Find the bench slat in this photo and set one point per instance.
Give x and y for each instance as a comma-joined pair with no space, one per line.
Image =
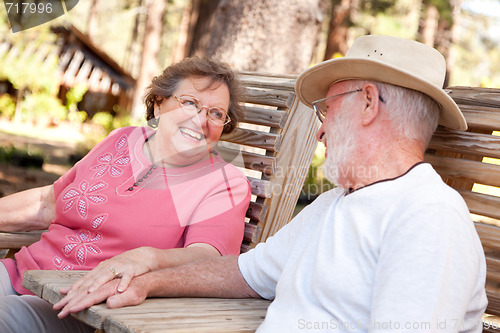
466,142
489,234
493,270
247,137
266,117
481,117
475,96
277,98
493,302
473,171
252,232
260,188
257,211
268,81
16,240
265,164
482,204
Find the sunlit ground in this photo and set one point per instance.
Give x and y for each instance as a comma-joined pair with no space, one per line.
57,133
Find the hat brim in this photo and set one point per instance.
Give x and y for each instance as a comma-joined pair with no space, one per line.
314,83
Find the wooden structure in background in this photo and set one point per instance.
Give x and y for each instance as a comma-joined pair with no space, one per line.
80,61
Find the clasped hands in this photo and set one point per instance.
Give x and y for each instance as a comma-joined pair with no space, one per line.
109,280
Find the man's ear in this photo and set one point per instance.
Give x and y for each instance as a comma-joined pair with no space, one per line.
371,108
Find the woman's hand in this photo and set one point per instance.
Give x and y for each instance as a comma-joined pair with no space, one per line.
134,295
126,266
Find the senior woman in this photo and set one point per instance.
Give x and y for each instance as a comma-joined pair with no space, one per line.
141,200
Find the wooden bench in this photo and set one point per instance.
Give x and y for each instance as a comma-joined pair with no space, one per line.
274,145
466,161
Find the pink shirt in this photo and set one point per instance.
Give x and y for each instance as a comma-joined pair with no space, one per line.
98,217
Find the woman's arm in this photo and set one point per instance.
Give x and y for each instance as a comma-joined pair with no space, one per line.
32,209
133,263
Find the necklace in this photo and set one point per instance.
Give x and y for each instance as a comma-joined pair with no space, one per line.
140,180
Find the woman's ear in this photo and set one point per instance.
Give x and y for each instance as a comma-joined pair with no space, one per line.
157,107
371,108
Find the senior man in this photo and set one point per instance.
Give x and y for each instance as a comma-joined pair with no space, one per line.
391,248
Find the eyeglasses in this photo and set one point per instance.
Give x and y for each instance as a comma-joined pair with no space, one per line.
192,105
320,107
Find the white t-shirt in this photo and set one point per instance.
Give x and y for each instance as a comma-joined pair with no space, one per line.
397,255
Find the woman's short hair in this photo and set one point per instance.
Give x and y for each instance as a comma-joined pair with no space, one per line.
164,85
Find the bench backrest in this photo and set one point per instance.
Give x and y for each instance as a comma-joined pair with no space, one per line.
277,138
273,145
467,161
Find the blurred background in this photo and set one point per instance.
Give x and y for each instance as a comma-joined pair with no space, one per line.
65,84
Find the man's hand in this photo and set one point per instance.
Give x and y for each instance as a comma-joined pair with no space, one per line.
135,294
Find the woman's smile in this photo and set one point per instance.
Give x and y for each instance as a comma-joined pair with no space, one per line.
191,134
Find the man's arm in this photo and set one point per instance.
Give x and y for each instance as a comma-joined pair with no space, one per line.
217,277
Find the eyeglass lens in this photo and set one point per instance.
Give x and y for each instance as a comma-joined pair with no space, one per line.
192,105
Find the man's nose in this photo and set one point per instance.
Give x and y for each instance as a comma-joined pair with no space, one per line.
320,134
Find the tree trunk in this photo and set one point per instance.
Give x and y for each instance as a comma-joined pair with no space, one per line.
149,59
429,25
338,28
201,23
179,52
19,101
450,53
131,58
277,36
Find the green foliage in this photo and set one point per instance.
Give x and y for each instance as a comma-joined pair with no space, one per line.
77,117
104,119
315,183
43,105
109,123
7,106
75,96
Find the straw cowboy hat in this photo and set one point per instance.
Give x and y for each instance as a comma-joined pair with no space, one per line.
398,61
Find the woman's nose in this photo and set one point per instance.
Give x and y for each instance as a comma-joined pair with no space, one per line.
202,117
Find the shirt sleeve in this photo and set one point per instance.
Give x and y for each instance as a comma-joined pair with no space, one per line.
263,266
223,231
426,258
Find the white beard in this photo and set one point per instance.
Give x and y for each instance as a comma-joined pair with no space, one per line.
341,142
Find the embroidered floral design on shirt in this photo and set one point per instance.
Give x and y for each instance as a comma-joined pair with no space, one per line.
110,164
60,264
98,221
82,197
82,244
121,143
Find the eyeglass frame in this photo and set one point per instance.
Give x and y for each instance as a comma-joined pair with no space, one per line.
321,114
198,108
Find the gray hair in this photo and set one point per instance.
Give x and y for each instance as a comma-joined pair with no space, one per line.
412,113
